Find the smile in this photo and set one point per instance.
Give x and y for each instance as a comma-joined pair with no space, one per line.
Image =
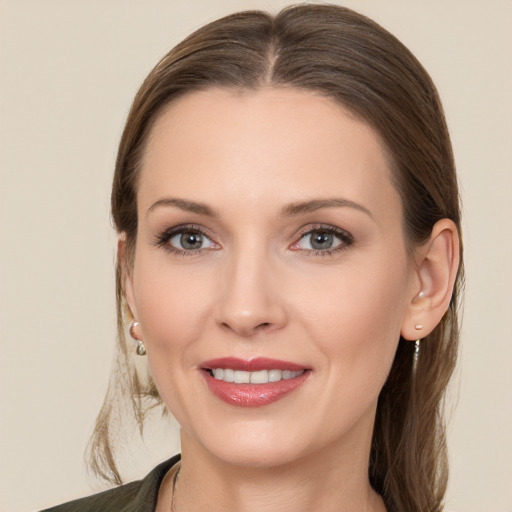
261,377
252,383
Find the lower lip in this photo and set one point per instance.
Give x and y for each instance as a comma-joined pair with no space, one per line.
253,395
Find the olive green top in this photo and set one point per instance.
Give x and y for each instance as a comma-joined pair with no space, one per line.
139,496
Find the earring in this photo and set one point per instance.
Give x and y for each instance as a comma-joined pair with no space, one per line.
416,354
141,347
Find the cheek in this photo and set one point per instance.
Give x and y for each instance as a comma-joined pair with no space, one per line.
171,304
174,306
355,328
355,317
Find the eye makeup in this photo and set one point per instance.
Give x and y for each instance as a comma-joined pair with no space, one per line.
312,240
323,239
187,235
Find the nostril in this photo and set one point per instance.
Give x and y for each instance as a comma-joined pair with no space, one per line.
264,326
247,330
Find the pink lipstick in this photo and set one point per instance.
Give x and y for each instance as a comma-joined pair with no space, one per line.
252,383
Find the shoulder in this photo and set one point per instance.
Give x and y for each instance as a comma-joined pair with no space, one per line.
113,499
139,496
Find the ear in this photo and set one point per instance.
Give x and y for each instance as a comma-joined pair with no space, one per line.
126,265
437,263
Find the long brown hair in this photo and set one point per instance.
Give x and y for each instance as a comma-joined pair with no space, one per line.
347,57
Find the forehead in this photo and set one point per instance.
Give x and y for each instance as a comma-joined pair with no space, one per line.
265,143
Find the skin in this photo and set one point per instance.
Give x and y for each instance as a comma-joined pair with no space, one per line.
257,289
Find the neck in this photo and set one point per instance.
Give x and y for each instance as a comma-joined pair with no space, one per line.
332,480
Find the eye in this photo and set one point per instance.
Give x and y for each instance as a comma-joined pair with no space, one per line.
319,241
185,240
189,241
323,240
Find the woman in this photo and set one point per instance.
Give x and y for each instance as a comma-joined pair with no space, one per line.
288,219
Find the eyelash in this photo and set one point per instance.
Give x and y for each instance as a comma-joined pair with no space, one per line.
346,239
166,235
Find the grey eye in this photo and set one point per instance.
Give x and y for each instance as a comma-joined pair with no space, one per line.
319,240
190,241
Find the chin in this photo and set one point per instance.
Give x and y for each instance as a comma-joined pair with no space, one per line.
249,444
259,455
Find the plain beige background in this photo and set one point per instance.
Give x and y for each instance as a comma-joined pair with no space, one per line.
68,72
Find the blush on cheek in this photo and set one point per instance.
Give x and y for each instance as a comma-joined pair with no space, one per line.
358,326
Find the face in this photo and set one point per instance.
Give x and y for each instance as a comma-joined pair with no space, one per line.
270,251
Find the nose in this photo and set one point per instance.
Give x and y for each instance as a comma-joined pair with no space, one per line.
250,300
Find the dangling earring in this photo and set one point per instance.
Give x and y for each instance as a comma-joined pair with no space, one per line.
416,354
417,343
141,348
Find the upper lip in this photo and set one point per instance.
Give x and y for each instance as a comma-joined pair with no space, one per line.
251,365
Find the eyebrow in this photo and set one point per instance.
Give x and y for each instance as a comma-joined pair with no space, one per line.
302,207
290,210
183,204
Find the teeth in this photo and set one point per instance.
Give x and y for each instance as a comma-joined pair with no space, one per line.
242,377
261,377
274,375
229,375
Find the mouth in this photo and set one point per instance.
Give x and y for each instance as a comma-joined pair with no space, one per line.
252,383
